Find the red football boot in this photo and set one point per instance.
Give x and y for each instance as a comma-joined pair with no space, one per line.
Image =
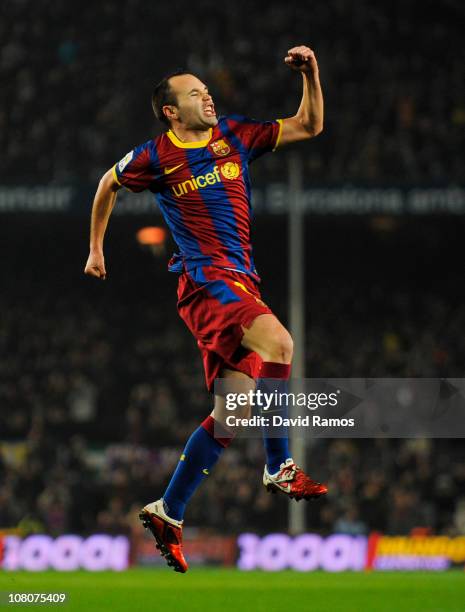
167,533
293,481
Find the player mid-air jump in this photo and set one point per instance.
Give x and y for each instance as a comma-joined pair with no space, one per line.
198,171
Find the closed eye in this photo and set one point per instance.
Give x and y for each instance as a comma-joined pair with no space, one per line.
195,92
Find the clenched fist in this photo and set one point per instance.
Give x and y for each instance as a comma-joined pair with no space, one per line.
301,59
95,265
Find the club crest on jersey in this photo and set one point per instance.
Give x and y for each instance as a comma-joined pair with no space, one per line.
220,147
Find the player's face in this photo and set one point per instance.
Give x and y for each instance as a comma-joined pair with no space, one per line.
196,110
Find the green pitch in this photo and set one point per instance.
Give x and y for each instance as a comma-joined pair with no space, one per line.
225,590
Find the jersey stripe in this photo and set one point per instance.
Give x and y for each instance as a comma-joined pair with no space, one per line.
221,211
173,214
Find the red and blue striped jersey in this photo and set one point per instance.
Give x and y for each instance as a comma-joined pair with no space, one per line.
203,189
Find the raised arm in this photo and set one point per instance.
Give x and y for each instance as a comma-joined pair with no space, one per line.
104,202
308,121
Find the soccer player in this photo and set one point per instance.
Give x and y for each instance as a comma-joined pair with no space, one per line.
198,171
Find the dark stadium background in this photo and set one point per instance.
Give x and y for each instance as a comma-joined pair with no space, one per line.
93,366
100,383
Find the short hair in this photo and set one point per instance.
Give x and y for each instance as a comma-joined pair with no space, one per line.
163,95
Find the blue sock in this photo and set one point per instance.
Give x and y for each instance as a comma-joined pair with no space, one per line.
274,376
199,456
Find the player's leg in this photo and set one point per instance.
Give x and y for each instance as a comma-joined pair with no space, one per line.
239,382
202,451
207,303
270,339
164,517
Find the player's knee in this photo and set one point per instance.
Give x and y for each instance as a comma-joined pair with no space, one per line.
281,347
287,347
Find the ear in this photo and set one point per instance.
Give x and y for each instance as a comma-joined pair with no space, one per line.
170,112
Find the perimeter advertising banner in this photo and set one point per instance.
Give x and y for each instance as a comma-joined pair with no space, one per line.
201,548
338,552
37,553
274,552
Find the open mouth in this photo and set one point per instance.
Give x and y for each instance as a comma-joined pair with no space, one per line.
209,110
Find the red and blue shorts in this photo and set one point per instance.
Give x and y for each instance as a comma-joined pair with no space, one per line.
216,304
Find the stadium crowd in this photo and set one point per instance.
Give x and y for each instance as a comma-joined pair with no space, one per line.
98,398
77,82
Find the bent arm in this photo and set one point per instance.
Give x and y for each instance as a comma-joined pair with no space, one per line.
308,121
102,207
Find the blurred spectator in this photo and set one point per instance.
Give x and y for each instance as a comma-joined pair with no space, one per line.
393,82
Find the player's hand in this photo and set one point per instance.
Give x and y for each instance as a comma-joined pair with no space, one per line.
301,59
95,265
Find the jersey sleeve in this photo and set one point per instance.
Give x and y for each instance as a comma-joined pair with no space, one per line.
137,171
256,137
